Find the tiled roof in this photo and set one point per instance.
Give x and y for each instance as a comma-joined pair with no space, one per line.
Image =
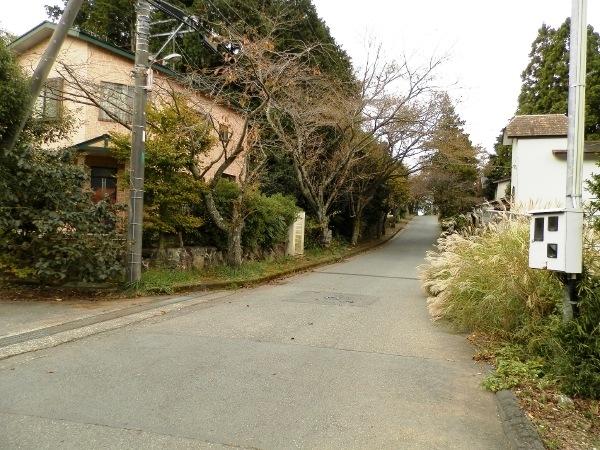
538,125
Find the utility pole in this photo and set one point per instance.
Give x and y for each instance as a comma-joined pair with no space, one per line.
40,75
138,138
141,69
575,145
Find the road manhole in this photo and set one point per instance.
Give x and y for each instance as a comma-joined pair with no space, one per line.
332,298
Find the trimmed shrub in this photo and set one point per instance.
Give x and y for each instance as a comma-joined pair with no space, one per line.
268,222
50,231
267,219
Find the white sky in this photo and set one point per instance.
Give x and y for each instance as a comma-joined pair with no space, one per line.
487,43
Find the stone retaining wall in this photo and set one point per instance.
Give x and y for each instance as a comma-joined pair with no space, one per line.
185,258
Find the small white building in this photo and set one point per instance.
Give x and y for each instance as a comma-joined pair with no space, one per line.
502,190
539,160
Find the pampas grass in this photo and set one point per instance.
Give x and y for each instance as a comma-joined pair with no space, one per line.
480,280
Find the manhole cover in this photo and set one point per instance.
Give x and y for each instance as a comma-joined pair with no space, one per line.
332,298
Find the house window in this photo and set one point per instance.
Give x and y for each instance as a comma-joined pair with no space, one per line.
538,229
104,183
48,105
116,103
553,223
228,177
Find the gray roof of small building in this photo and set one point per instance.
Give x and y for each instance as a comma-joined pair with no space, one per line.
589,147
537,126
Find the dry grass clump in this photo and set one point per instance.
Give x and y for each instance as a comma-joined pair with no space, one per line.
480,280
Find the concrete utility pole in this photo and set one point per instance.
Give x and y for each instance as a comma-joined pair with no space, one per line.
40,75
577,78
575,146
138,138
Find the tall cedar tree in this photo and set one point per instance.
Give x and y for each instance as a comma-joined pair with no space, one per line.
545,88
114,21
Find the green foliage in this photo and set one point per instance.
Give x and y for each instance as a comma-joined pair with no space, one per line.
109,20
50,231
269,220
578,364
291,24
177,135
114,21
497,167
267,217
14,94
546,79
593,185
511,372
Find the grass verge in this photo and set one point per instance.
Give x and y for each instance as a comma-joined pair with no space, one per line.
167,281
164,281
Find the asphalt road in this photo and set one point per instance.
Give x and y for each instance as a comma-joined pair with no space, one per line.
345,357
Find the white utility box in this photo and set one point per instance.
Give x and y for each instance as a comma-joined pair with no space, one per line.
555,240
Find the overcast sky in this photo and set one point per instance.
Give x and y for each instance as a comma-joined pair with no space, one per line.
487,43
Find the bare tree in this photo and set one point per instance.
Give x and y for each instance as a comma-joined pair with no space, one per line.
329,128
245,84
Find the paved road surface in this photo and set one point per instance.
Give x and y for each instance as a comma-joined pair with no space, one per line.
345,357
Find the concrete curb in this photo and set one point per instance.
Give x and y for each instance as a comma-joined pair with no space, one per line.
77,329
211,286
519,431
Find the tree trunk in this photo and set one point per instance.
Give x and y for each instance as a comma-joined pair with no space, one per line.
381,225
325,232
234,245
234,237
356,225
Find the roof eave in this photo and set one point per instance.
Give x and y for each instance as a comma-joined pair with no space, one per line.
45,29
534,136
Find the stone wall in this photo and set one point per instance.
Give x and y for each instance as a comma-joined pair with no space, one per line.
185,258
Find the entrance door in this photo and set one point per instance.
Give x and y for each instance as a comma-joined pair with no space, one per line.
104,183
